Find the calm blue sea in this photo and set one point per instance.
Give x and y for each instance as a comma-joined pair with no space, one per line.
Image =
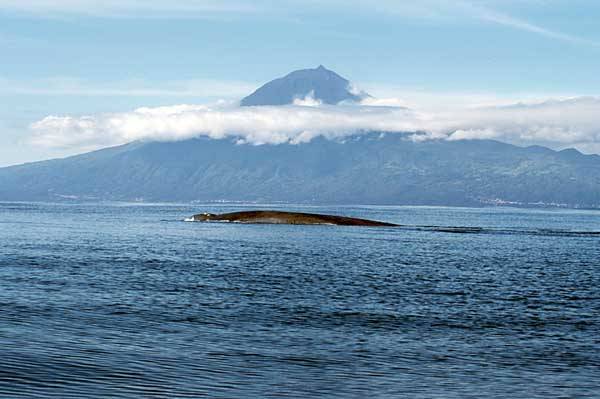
129,301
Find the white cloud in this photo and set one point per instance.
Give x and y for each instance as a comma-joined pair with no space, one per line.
438,10
122,8
459,10
257,125
308,101
516,23
423,98
383,102
557,124
70,86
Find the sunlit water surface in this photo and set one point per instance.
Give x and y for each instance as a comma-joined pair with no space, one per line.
129,301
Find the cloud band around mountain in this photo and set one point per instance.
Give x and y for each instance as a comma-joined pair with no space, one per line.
558,124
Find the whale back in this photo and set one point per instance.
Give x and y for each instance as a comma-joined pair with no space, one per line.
279,217
205,217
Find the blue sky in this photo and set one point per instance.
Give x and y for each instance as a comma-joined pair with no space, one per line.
74,58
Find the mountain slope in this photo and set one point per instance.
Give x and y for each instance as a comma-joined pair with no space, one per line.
320,83
365,169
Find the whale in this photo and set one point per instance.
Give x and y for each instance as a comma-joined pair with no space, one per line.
281,217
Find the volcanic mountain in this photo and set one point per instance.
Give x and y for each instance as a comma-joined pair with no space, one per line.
320,84
367,168
363,169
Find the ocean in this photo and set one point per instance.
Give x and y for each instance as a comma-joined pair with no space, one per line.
129,301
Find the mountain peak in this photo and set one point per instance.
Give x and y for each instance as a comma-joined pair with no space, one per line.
320,83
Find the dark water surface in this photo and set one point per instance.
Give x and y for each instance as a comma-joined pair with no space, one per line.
129,301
